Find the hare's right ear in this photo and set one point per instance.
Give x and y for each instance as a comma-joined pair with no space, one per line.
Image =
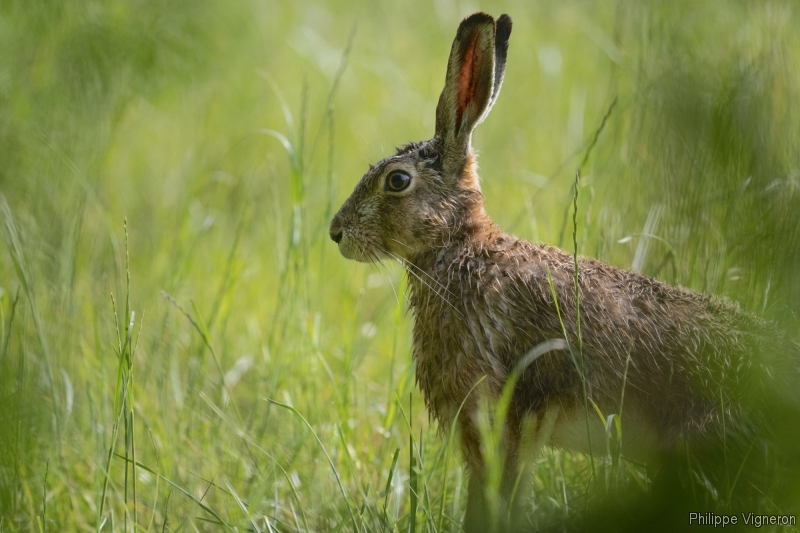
474,75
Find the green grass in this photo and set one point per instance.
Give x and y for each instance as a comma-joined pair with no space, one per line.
213,362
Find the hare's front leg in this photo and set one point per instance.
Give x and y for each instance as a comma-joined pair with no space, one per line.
523,438
477,518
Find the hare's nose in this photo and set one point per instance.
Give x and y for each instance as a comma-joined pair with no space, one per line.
335,229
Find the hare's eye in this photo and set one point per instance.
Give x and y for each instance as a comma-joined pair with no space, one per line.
397,181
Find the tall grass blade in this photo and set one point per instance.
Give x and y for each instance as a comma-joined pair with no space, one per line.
23,275
195,500
243,507
345,495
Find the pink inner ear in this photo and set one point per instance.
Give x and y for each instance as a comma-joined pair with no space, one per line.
466,80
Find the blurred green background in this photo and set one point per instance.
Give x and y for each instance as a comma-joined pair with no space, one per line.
227,134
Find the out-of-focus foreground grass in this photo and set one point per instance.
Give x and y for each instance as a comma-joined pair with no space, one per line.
227,134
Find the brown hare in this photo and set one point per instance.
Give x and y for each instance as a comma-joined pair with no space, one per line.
483,304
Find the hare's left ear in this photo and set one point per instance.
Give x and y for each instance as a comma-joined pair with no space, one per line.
474,75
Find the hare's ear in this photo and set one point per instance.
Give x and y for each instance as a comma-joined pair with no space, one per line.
474,75
502,33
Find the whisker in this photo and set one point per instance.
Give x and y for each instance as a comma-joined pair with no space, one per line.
400,243
406,262
386,273
409,264
373,257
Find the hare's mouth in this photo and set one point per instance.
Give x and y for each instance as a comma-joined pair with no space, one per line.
361,252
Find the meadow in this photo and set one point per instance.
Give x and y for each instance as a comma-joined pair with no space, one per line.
182,348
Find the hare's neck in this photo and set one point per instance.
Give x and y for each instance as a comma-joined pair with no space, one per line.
441,281
472,243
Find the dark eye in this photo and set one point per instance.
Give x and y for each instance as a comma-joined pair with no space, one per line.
397,181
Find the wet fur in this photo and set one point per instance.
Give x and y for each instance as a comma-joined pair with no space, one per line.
482,299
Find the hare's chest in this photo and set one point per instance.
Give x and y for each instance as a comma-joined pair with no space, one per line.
453,351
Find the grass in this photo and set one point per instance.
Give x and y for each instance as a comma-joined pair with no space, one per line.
199,151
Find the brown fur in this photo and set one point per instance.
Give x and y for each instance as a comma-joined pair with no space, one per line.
482,300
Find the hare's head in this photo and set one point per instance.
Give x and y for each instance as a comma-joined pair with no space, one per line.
427,195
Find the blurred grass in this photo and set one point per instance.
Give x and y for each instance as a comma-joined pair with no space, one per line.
156,113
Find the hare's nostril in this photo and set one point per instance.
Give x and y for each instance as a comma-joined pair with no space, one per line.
337,237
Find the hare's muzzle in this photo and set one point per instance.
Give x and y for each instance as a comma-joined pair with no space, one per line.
348,247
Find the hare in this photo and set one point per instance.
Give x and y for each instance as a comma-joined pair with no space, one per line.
487,304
